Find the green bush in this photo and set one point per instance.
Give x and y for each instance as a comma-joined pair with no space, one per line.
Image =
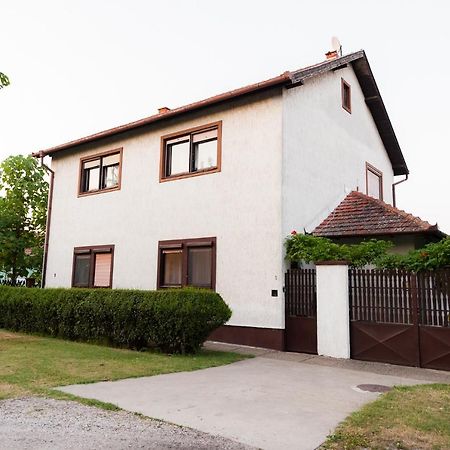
308,248
175,320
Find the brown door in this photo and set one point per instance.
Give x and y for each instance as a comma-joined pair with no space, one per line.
300,311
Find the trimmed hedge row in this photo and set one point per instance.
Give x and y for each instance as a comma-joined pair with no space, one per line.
176,320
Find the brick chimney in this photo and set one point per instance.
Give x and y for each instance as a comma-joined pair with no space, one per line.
332,54
163,110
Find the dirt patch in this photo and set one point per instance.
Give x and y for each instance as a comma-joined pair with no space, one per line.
409,438
6,335
8,390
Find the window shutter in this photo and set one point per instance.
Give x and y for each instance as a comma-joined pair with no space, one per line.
102,274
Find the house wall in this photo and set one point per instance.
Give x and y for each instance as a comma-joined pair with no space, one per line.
241,206
288,159
325,149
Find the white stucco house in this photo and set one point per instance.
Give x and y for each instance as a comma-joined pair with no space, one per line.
205,194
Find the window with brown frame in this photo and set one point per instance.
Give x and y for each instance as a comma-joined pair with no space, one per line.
101,172
192,152
374,182
187,262
346,96
93,266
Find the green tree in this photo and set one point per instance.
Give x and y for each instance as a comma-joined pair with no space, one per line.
23,209
4,80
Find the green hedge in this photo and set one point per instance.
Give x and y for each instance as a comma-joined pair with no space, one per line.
176,320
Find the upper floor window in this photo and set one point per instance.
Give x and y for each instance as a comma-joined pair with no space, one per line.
187,262
374,182
346,96
92,266
100,172
191,152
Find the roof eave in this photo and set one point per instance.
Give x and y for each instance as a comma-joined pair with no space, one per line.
432,231
380,116
280,80
363,72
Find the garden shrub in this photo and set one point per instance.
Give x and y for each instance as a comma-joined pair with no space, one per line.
308,248
175,320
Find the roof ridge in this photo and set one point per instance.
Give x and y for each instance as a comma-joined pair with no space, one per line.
396,210
286,77
359,214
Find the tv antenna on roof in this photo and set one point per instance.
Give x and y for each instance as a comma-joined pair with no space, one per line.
336,45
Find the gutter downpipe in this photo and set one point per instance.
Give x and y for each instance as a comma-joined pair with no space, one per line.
393,190
49,215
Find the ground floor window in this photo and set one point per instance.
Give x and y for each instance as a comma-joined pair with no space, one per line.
187,262
93,266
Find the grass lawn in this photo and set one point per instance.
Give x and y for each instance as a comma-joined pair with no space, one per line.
31,365
408,417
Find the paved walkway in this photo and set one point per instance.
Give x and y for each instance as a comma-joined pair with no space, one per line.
274,401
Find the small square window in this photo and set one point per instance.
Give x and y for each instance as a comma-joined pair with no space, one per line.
374,182
192,152
100,173
346,96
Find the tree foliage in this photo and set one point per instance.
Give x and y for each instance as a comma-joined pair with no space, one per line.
23,209
4,80
308,248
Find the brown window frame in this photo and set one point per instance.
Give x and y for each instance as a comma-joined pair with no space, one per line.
184,245
379,174
346,105
190,131
92,251
100,156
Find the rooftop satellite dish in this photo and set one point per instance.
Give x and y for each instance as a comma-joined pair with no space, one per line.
336,45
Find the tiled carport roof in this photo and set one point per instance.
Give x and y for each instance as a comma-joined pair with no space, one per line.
361,215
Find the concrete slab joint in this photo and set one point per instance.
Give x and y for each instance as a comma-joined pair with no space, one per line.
333,323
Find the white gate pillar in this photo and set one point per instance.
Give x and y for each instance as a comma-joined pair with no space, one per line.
333,321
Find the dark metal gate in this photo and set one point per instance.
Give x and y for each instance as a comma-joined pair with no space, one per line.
400,317
301,316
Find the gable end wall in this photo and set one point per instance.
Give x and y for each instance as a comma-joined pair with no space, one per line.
325,149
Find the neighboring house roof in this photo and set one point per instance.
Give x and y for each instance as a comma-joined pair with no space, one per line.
361,215
360,64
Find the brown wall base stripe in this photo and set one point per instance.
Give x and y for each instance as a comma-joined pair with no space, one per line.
255,337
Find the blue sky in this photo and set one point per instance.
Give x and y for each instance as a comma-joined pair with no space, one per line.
80,67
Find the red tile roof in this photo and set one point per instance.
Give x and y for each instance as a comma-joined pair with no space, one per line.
361,215
357,60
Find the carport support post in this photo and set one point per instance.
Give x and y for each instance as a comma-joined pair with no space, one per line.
333,322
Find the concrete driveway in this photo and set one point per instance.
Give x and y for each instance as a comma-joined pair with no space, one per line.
274,401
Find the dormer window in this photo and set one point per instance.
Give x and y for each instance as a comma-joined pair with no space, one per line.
346,96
